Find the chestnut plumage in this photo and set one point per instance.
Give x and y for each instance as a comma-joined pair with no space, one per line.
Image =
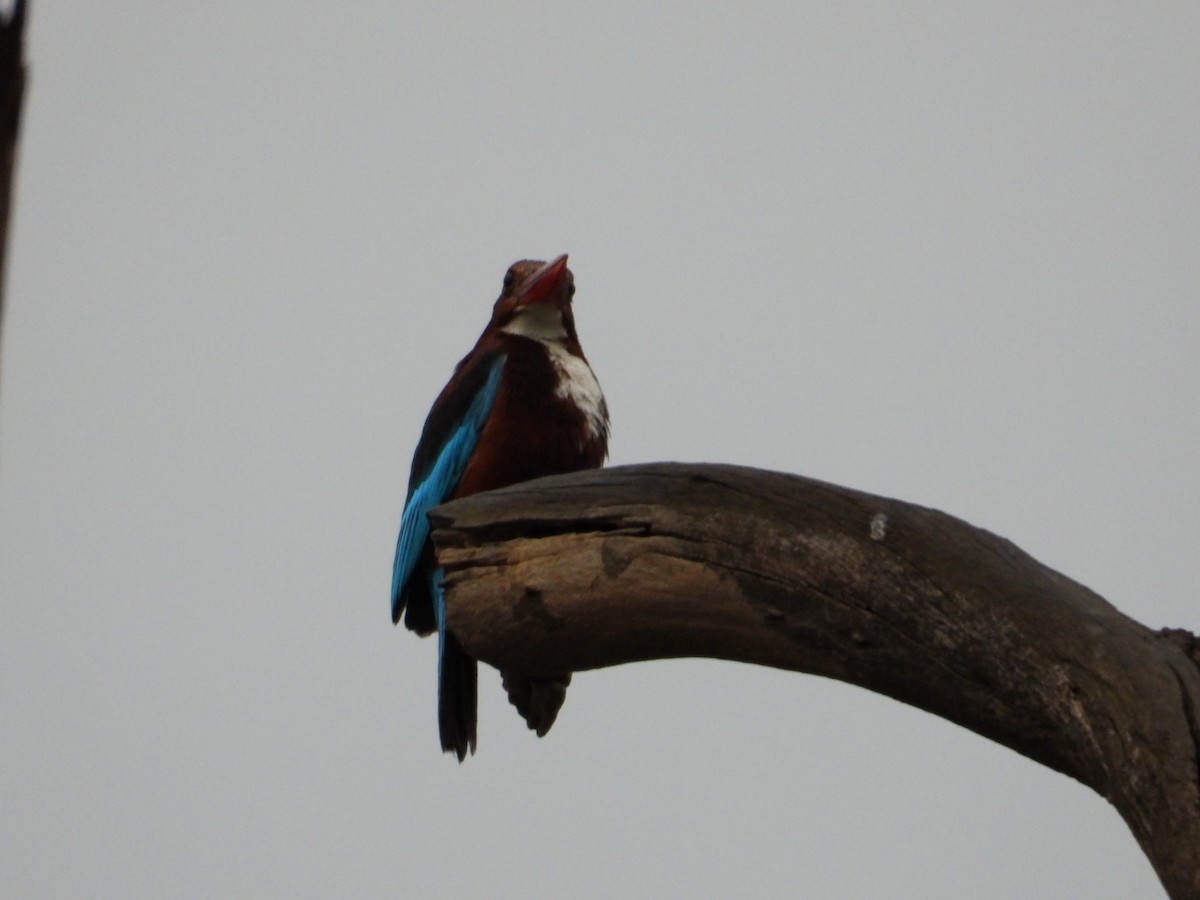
522,404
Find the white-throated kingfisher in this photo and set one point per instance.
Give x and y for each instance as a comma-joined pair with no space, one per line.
522,404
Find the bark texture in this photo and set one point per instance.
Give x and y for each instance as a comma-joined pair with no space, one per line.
668,560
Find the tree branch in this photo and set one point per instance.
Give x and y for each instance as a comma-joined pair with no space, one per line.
668,560
12,92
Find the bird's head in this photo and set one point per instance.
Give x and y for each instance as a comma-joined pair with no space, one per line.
535,300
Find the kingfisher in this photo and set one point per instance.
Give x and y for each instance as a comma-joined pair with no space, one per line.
522,404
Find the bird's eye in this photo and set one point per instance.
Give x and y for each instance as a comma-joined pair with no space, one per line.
509,277
571,290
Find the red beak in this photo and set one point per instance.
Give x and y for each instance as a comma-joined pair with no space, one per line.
541,285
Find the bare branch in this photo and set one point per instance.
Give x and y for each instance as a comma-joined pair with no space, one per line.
668,560
12,92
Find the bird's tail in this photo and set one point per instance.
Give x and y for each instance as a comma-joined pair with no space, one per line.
458,683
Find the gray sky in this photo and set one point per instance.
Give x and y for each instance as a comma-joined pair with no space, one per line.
946,253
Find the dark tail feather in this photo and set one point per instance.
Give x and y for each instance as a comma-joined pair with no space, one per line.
417,599
457,698
538,700
418,612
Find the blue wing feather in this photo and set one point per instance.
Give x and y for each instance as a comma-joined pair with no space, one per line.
438,483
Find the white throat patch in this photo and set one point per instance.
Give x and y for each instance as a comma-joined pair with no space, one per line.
542,322
576,381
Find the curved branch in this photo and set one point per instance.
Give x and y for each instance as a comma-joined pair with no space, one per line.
667,560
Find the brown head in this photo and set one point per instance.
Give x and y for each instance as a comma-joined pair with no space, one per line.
535,300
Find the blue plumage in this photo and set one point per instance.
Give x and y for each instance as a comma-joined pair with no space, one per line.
522,404
437,485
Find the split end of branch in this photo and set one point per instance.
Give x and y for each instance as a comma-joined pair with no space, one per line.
1184,640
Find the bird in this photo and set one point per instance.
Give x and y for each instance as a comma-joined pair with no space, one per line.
522,404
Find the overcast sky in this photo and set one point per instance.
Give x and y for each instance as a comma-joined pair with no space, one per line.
941,252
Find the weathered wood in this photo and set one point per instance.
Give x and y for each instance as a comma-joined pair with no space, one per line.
668,560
